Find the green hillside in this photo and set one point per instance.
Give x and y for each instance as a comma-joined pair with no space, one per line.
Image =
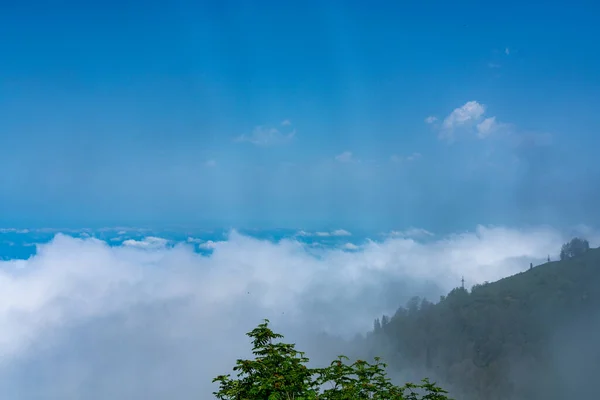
534,335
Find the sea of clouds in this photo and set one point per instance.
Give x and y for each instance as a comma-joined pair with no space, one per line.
89,316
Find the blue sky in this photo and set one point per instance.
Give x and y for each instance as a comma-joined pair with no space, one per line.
299,114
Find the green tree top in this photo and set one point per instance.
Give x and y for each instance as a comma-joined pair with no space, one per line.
279,372
574,248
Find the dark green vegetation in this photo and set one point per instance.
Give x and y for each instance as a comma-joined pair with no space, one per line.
534,335
574,248
279,372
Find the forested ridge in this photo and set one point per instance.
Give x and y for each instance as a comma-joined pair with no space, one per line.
533,335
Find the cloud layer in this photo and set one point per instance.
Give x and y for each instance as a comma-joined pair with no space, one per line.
470,111
84,320
468,116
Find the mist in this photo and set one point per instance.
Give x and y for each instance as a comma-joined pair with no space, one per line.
153,319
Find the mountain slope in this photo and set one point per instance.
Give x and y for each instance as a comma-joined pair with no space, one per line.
522,337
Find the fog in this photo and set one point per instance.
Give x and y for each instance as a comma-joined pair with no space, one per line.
85,320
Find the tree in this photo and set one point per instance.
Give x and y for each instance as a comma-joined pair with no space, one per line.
385,320
279,372
574,248
376,326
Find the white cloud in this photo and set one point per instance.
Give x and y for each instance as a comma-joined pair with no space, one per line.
411,233
337,232
507,51
431,119
202,243
14,230
341,232
119,317
149,242
487,126
210,163
470,118
208,245
469,112
120,230
351,246
286,122
345,157
269,136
